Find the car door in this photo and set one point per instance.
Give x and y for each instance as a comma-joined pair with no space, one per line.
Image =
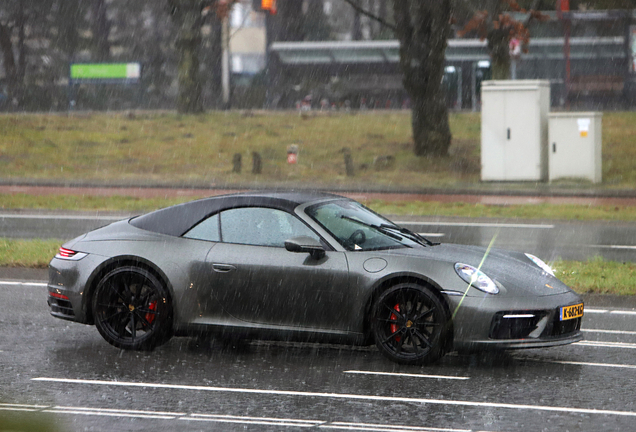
257,280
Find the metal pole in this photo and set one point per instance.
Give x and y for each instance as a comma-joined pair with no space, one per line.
269,38
473,87
566,53
460,88
226,70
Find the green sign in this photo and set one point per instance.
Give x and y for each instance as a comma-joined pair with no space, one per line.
106,71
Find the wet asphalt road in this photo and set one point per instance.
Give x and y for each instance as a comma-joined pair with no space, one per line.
547,239
66,373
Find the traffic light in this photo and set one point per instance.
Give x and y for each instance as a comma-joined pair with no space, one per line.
266,5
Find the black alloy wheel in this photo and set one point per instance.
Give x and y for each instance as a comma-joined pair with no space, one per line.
410,324
132,309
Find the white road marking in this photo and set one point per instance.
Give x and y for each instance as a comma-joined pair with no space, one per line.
7,405
17,409
478,224
621,332
432,234
386,428
18,283
600,344
21,407
610,311
341,396
406,375
252,420
219,418
608,365
65,217
615,246
109,410
108,414
598,311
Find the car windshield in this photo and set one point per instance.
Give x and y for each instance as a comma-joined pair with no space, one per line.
359,229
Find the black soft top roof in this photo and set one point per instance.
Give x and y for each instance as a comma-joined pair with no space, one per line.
178,219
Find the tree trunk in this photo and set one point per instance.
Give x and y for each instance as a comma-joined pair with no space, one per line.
22,55
429,119
8,57
101,28
498,42
187,15
499,54
357,26
214,64
423,28
189,98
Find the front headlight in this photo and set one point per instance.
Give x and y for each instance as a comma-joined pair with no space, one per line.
476,278
546,268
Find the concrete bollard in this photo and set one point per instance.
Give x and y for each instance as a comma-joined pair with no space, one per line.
348,160
257,163
236,161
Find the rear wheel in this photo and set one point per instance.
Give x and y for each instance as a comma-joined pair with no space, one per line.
132,309
410,324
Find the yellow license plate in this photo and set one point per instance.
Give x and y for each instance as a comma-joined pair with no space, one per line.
571,312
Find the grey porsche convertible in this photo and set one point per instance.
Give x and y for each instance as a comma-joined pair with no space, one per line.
305,266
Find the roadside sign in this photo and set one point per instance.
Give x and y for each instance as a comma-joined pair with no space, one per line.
114,72
632,48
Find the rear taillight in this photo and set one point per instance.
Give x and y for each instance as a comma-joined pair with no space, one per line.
69,254
66,253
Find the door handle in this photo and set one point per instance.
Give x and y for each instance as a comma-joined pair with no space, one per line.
508,133
223,268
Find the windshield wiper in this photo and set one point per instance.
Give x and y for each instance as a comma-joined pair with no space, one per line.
380,228
389,230
411,235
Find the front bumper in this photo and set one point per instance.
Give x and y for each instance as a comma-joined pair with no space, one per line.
492,322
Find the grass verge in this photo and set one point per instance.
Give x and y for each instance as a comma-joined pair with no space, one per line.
598,276
86,203
593,276
27,253
151,147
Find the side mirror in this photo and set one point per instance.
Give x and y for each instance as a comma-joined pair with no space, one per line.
305,245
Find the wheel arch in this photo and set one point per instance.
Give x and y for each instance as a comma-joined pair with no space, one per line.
395,279
121,261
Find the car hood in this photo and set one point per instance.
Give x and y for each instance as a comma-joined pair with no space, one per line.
513,272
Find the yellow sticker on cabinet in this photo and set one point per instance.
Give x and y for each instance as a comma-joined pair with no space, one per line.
584,126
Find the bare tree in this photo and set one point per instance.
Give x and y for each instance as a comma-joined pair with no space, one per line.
491,20
423,28
101,31
189,16
16,17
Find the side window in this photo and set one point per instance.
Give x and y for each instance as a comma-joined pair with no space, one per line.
208,230
261,227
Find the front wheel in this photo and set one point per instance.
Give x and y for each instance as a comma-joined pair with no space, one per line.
132,309
410,324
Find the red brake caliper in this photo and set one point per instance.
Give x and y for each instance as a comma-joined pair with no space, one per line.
394,327
150,317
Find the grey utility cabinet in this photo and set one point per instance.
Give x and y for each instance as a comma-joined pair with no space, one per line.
575,145
514,130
